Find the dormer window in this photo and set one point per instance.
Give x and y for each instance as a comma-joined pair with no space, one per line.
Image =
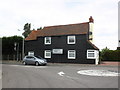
47,40
71,39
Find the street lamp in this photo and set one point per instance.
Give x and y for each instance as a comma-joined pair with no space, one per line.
22,45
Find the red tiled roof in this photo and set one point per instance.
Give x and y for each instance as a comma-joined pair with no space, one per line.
32,35
93,45
80,28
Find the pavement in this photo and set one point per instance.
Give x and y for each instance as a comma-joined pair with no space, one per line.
16,75
110,63
103,63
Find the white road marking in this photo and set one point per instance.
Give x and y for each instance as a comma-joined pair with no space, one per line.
40,67
98,73
61,73
29,66
20,66
0,74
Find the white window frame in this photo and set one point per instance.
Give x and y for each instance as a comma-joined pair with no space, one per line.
68,39
91,52
45,53
31,53
45,40
69,57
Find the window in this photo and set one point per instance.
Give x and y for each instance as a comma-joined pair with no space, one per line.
47,54
71,39
91,54
30,57
71,54
47,40
30,53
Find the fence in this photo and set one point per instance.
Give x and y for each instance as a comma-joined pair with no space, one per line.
12,57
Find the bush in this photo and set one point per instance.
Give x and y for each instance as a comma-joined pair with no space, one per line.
110,55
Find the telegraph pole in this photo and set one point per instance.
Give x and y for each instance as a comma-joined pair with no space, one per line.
23,49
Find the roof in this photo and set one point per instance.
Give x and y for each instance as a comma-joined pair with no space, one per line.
32,35
80,28
93,45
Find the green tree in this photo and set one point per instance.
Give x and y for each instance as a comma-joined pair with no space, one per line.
39,28
27,30
8,44
103,52
109,55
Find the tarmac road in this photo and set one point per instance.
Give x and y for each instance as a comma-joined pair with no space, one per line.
55,76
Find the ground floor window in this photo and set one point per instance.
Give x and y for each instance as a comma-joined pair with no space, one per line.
31,53
47,54
91,54
71,54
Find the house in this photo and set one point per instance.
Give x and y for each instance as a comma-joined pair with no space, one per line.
71,43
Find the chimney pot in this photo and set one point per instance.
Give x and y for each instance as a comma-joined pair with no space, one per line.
91,19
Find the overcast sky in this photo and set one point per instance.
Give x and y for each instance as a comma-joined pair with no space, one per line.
15,13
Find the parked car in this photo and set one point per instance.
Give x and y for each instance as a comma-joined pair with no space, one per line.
37,60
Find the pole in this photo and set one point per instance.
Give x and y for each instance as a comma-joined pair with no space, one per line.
22,46
17,51
23,49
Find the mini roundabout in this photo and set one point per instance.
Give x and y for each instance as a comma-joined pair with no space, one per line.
104,73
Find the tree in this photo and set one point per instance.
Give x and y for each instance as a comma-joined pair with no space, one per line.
103,52
39,28
8,47
8,44
27,30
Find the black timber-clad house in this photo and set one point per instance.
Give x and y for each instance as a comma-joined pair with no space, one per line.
64,43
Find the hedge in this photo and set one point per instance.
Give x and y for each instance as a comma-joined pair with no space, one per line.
110,55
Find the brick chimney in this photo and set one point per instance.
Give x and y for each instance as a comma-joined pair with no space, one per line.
91,19
91,24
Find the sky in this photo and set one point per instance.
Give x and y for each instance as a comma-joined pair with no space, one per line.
14,14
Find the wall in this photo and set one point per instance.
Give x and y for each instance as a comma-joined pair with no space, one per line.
60,42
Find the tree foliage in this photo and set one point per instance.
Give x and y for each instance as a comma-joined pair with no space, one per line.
39,28
27,30
8,44
109,55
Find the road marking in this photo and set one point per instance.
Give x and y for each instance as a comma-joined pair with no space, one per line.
98,73
29,66
20,66
61,73
40,67
0,74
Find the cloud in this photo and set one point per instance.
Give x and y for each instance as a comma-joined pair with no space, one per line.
15,13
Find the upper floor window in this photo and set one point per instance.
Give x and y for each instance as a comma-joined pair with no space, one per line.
47,40
71,39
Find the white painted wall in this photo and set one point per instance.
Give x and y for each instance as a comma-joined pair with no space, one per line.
91,26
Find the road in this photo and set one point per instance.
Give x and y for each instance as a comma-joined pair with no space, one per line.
55,76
